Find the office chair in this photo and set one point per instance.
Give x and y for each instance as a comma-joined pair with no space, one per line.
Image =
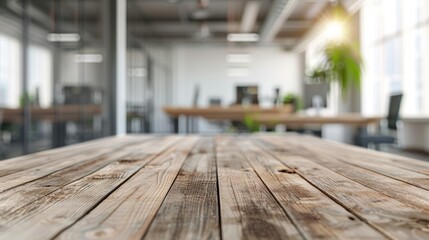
387,127
2,147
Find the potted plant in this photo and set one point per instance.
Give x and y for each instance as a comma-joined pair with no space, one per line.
293,100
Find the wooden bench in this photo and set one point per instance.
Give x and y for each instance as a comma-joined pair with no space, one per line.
213,187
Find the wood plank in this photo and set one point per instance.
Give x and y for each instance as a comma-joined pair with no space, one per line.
375,164
315,214
129,210
54,165
18,197
190,210
48,216
24,162
389,216
377,156
248,210
396,189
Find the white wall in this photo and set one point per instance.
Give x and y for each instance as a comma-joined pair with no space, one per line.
206,66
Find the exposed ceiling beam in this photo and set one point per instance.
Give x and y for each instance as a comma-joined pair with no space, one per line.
278,14
181,11
215,26
250,16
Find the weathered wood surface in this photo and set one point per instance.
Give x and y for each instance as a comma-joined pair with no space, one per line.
213,187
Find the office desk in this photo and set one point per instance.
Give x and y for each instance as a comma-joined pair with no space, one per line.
234,187
232,113
60,114
355,119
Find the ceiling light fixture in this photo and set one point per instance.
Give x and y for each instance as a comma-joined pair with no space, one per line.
334,31
239,58
243,37
88,58
172,1
238,72
63,37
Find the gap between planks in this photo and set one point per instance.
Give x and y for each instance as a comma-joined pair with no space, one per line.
388,215
49,215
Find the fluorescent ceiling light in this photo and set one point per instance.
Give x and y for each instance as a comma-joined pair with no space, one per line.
239,58
63,37
238,72
137,72
243,37
88,58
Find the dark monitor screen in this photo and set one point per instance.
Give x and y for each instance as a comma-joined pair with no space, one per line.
247,94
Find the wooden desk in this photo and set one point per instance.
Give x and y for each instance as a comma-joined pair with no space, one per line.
58,116
300,119
65,113
247,187
232,113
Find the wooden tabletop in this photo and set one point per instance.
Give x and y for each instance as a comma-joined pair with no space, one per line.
64,113
237,112
302,119
230,187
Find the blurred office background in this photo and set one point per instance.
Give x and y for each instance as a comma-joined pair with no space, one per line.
58,78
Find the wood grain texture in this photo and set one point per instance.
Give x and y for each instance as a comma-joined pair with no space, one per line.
390,216
190,210
315,214
20,196
248,210
48,216
25,162
128,211
255,186
391,187
373,156
50,166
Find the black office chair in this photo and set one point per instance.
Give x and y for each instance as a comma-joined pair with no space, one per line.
385,137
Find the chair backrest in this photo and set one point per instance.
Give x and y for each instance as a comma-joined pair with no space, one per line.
394,109
196,96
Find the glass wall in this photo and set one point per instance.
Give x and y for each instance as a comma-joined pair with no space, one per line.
53,74
394,36
149,75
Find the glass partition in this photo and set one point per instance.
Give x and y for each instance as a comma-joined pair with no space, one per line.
53,74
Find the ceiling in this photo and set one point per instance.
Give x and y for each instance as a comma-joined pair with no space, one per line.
161,20
283,22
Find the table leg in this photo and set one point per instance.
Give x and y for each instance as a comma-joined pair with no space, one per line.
196,125
59,134
175,121
188,124
359,139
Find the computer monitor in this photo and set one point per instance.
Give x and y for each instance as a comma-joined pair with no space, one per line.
311,90
247,94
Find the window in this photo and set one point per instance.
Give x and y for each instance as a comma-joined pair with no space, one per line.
10,62
40,75
393,36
